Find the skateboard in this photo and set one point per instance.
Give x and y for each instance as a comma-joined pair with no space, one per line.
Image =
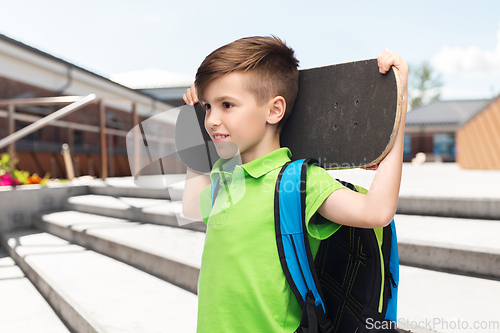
345,116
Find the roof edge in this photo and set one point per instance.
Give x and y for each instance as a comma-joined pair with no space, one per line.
492,100
50,56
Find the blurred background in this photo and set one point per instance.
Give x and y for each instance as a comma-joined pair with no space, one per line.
148,53
109,256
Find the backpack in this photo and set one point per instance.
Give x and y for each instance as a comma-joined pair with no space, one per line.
351,285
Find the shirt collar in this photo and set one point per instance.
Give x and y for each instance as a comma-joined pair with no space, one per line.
264,164
256,168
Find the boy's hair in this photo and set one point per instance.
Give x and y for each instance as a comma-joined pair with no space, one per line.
271,63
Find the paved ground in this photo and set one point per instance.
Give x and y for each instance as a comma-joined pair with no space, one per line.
436,180
446,302
429,180
22,301
435,300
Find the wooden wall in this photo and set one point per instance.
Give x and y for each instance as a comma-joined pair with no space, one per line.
50,160
88,164
478,141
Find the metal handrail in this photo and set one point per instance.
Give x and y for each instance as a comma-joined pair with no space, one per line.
46,120
41,100
77,102
52,119
82,127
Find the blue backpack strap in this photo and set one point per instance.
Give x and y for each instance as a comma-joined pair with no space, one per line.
215,186
293,245
392,305
212,190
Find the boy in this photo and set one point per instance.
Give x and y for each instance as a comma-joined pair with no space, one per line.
248,88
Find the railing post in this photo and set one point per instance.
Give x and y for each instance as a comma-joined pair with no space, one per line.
104,153
135,122
53,167
68,163
71,140
11,127
91,167
111,155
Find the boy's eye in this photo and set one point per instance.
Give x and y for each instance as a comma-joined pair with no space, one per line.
207,106
227,105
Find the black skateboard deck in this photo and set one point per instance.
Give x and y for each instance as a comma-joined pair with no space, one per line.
345,116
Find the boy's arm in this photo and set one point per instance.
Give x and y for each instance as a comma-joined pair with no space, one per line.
378,207
195,181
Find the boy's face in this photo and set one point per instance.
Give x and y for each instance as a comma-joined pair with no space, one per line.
233,116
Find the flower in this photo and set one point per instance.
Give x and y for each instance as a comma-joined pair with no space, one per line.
34,179
8,180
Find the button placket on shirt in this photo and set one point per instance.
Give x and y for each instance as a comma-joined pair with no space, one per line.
234,183
227,176
236,180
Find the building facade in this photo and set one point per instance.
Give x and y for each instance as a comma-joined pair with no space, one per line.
478,140
447,131
26,73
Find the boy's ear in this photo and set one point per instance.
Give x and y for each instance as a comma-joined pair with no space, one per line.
276,110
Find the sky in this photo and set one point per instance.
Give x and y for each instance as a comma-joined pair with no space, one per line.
461,39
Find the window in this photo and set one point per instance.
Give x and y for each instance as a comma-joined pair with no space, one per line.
78,137
407,146
444,145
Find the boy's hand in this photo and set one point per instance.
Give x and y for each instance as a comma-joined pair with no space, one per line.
386,59
190,97
195,181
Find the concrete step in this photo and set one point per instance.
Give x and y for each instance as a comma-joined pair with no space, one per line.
157,211
21,301
455,244
444,189
173,254
444,302
171,187
95,293
476,208
432,190
438,189
465,246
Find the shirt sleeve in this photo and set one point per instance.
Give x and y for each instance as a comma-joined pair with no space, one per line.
206,203
319,186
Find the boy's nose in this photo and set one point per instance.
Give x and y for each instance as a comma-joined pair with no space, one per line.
212,120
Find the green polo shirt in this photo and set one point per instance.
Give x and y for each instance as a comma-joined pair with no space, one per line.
241,287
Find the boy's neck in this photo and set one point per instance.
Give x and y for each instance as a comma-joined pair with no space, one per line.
249,156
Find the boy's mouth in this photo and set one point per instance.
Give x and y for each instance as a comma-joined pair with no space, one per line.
219,137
